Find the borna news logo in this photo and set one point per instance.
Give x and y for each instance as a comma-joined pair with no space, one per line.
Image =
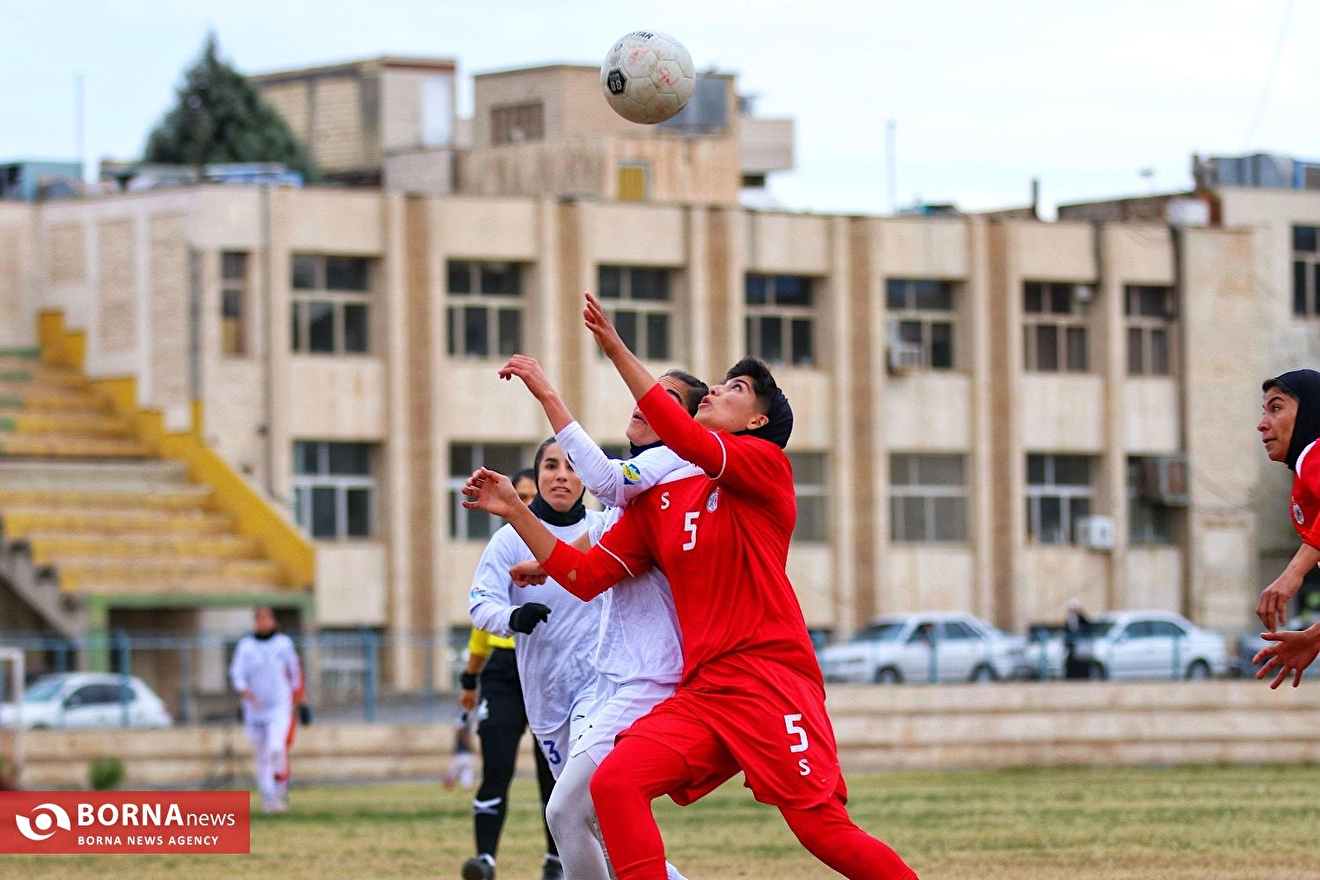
39,825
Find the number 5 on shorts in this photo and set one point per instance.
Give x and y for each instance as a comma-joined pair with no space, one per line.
792,726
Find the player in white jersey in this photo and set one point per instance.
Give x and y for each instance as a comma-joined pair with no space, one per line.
554,632
267,675
639,658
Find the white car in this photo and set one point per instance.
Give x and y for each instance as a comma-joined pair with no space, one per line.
1151,644
935,646
88,699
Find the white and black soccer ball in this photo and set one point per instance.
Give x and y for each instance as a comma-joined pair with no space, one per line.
647,77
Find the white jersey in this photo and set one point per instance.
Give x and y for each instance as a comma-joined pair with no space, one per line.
269,668
555,659
639,635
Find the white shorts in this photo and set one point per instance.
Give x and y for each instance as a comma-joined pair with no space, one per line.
614,710
557,744
269,731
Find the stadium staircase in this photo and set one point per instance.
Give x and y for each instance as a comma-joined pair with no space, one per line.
94,517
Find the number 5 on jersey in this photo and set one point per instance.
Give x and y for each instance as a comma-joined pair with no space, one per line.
794,729
690,526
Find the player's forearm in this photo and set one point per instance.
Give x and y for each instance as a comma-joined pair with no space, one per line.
677,430
1303,562
555,410
474,664
633,372
600,474
585,575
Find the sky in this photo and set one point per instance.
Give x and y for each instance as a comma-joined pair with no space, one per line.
984,96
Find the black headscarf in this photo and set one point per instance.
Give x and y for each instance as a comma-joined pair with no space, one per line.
779,426
1305,386
542,508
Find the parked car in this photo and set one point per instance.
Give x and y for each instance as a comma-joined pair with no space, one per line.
936,646
88,699
1045,651
1151,644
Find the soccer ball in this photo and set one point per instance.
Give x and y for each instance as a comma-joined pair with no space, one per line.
647,77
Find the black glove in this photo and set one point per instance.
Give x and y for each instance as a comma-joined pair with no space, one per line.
305,714
525,617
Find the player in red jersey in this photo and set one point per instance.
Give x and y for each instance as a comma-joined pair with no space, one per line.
1289,429
751,698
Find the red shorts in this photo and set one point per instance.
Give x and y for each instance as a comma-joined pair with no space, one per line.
774,730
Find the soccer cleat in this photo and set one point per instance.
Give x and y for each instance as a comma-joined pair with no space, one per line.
553,870
477,868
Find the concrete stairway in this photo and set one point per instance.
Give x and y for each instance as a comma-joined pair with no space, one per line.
87,512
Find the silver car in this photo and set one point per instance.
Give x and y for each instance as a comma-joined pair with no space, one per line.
1151,644
88,699
934,646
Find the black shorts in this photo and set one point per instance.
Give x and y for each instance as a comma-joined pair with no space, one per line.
501,692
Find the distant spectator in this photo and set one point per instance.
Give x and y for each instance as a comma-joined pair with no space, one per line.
1076,625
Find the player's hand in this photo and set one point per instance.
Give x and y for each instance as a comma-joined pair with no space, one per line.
250,697
527,369
492,492
1272,609
1291,653
593,315
468,699
527,573
525,617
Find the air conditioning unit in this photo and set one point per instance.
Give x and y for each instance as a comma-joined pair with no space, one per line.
1095,532
1162,479
904,357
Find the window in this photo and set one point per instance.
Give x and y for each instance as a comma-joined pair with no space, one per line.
233,303
515,123
927,497
485,308
634,181
1306,271
333,489
1059,490
1055,327
464,458
780,319
639,303
810,482
331,296
1149,329
921,315
1149,520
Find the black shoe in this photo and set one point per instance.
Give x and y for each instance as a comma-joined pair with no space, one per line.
553,870
477,868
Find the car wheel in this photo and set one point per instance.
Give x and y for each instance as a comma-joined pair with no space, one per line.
1097,672
1198,671
888,675
984,672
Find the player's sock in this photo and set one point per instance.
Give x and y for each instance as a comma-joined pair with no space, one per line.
831,836
671,873
487,820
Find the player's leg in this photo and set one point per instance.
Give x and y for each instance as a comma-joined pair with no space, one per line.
545,780
499,752
283,772
277,756
637,772
830,835
572,820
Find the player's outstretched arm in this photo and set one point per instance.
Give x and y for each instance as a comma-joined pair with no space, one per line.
529,371
1290,654
633,372
585,575
1272,609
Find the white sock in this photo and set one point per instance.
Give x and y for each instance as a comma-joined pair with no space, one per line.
671,873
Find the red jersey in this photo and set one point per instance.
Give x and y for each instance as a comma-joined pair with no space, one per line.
719,531
1306,497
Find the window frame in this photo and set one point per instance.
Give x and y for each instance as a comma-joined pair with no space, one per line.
1144,327
1065,493
1305,272
237,285
786,315
1067,326
460,517
302,298
641,309
305,484
815,494
929,495
1150,524
903,317
495,306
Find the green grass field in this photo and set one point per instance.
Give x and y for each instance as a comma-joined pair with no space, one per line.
1206,823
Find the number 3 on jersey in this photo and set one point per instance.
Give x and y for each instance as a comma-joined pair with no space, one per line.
794,729
690,526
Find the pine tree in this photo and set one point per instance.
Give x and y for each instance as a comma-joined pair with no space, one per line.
221,117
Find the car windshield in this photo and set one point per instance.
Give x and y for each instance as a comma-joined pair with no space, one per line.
879,632
1098,628
43,690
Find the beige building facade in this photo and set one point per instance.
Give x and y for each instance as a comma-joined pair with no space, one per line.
993,416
